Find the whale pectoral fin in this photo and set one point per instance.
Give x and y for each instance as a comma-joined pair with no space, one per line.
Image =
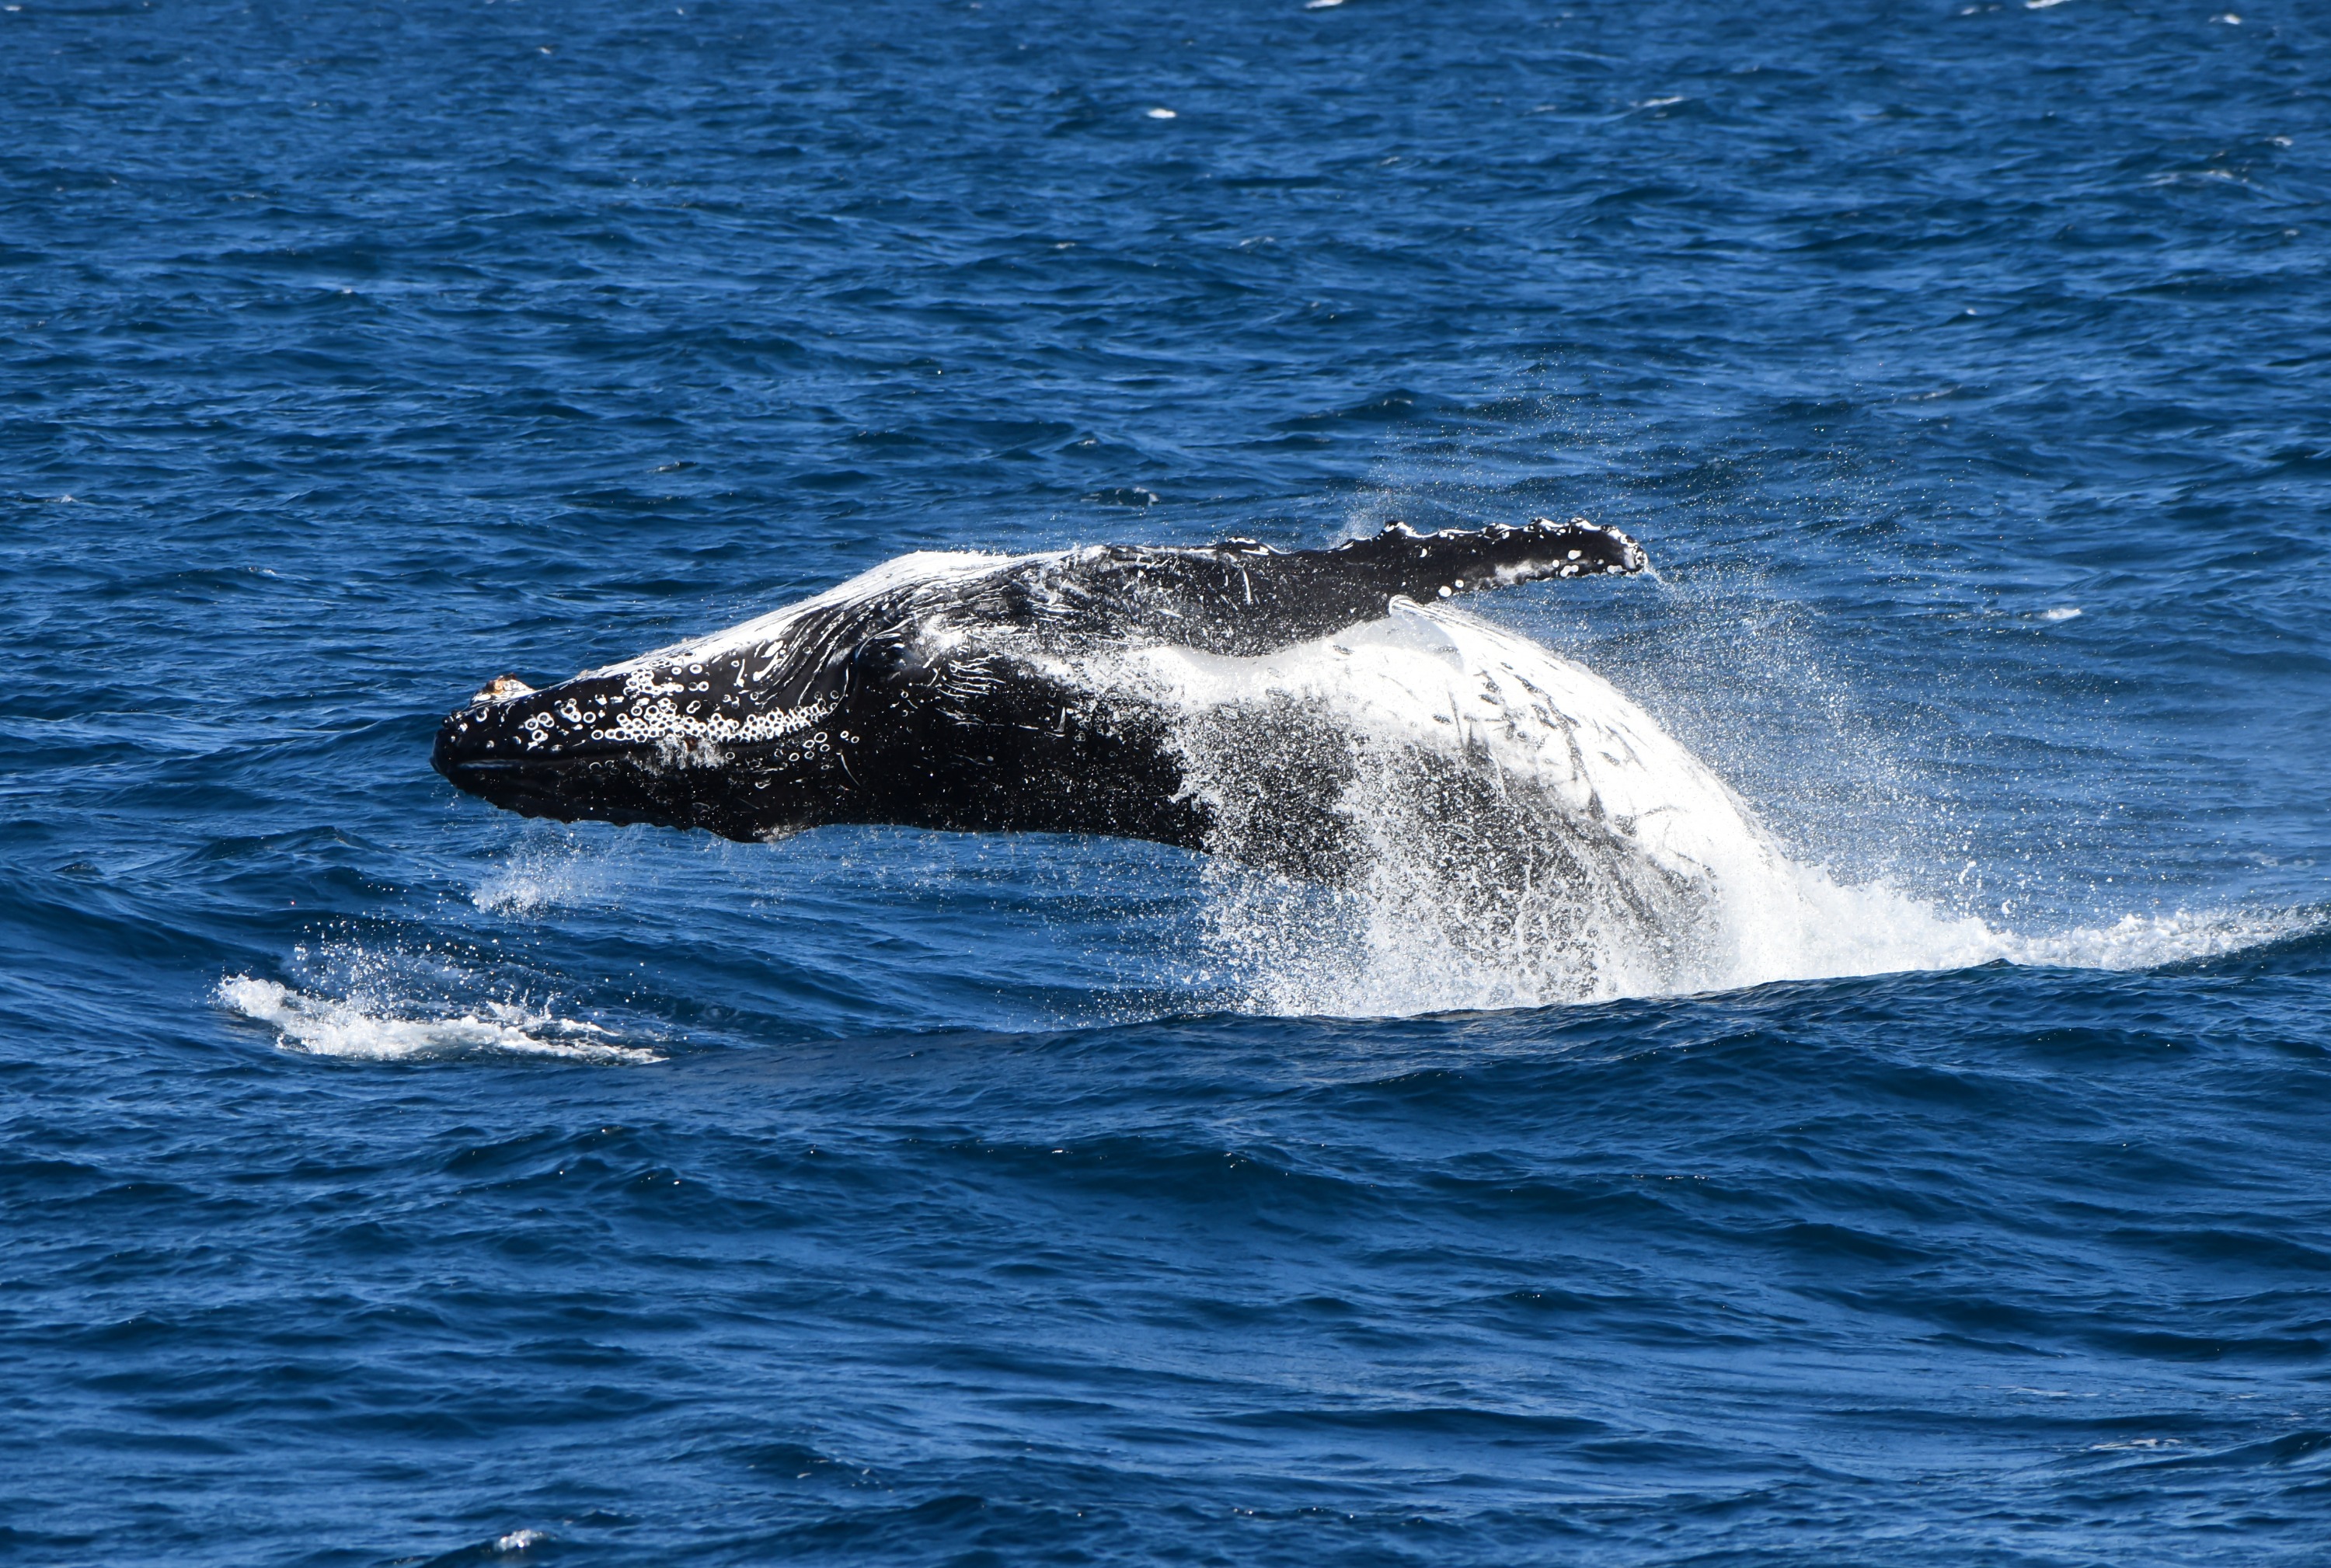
1428,566
1241,598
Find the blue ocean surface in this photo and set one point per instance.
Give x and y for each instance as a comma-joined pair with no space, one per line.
385,1178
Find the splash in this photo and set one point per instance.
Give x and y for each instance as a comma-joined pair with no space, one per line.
1429,813
2150,941
374,1029
549,872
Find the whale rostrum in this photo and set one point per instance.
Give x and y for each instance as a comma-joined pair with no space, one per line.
963,691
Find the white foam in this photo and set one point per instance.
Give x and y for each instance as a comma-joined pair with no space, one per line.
322,1026
1529,835
2150,941
2062,612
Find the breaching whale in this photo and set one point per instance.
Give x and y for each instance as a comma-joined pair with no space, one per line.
958,692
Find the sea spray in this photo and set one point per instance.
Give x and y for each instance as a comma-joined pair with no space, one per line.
1428,812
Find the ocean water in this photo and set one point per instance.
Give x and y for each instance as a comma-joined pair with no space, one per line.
384,1179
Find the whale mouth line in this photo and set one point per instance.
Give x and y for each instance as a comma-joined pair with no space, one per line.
512,766
647,758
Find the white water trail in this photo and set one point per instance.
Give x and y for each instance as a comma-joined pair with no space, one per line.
378,1028
1506,829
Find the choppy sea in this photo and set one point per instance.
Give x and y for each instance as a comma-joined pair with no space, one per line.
387,1180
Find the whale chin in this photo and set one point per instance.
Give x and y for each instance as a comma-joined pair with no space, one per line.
529,789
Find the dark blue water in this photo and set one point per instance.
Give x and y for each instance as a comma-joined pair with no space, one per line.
384,1179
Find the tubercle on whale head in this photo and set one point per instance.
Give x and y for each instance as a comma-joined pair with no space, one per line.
686,742
496,744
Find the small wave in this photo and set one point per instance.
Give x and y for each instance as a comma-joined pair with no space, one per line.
322,1026
516,1544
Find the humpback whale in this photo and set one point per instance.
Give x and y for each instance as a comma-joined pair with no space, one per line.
960,691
